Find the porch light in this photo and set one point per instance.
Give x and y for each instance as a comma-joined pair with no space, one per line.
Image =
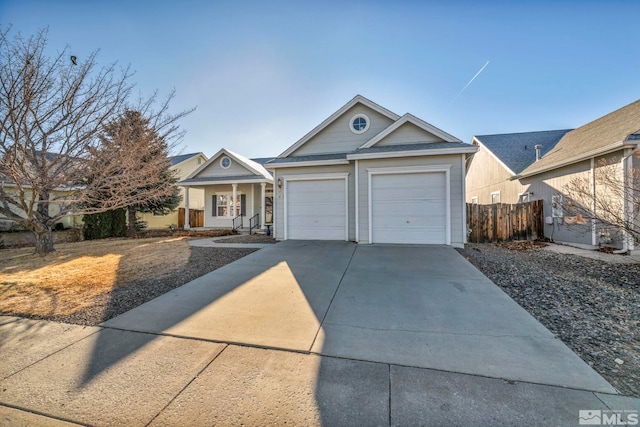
280,183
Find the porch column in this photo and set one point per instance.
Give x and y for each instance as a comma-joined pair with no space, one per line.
263,219
233,200
186,209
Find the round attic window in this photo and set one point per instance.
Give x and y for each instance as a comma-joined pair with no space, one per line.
359,123
225,162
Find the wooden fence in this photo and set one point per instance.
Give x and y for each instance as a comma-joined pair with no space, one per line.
503,222
196,218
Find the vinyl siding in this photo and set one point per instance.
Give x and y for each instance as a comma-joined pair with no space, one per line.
214,169
196,196
279,194
226,222
408,133
338,138
486,175
456,196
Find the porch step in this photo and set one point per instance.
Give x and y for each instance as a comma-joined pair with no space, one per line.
245,231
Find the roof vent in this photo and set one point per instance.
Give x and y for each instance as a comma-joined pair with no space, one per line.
538,148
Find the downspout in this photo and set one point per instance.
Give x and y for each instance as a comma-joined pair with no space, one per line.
626,170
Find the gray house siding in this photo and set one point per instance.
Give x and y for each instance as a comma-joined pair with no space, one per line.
314,170
216,170
548,184
486,175
337,138
406,134
458,228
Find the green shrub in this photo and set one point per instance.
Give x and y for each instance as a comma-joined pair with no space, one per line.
105,224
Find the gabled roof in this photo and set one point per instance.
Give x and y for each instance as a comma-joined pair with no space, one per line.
182,157
516,151
358,99
410,118
606,134
252,166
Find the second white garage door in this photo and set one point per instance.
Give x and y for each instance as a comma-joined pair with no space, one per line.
316,209
409,208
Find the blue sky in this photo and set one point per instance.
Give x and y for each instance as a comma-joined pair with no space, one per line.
263,74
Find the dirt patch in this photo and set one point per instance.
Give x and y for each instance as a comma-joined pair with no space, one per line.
79,282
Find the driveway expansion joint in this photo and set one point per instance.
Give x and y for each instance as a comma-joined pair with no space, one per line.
440,332
42,414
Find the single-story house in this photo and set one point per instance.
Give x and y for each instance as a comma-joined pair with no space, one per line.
520,167
238,192
183,165
369,175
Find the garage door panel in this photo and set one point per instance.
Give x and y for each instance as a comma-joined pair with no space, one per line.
409,208
316,209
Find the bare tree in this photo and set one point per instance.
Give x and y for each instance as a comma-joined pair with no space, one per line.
52,112
611,199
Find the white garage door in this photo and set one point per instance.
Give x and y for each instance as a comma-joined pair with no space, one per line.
409,208
316,210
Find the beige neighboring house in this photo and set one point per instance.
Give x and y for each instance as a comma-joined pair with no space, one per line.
67,221
238,192
369,175
184,165
520,167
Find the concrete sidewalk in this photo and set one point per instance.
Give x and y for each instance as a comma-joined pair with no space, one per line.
106,377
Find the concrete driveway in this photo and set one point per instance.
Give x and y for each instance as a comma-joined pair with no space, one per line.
417,306
306,333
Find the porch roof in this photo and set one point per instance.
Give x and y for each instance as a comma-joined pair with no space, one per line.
213,180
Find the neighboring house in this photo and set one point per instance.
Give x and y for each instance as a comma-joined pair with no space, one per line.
184,165
234,186
509,169
368,175
67,221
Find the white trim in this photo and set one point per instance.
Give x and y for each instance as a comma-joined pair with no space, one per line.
366,126
412,153
307,163
317,177
231,181
357,208
491,197
525,193
410,118
446,169
222,160
464,199
248,164
475,200
358,99
592,184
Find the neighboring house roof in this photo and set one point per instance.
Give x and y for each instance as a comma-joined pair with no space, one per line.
516,151
263,160
606,134
181,158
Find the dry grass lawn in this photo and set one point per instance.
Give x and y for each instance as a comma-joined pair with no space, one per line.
77,273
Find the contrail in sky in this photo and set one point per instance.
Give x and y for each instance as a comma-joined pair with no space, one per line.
470,81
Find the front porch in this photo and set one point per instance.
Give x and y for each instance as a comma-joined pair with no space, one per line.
234,205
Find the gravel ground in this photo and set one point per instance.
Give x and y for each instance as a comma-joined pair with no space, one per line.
593,306
131,295
249,238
